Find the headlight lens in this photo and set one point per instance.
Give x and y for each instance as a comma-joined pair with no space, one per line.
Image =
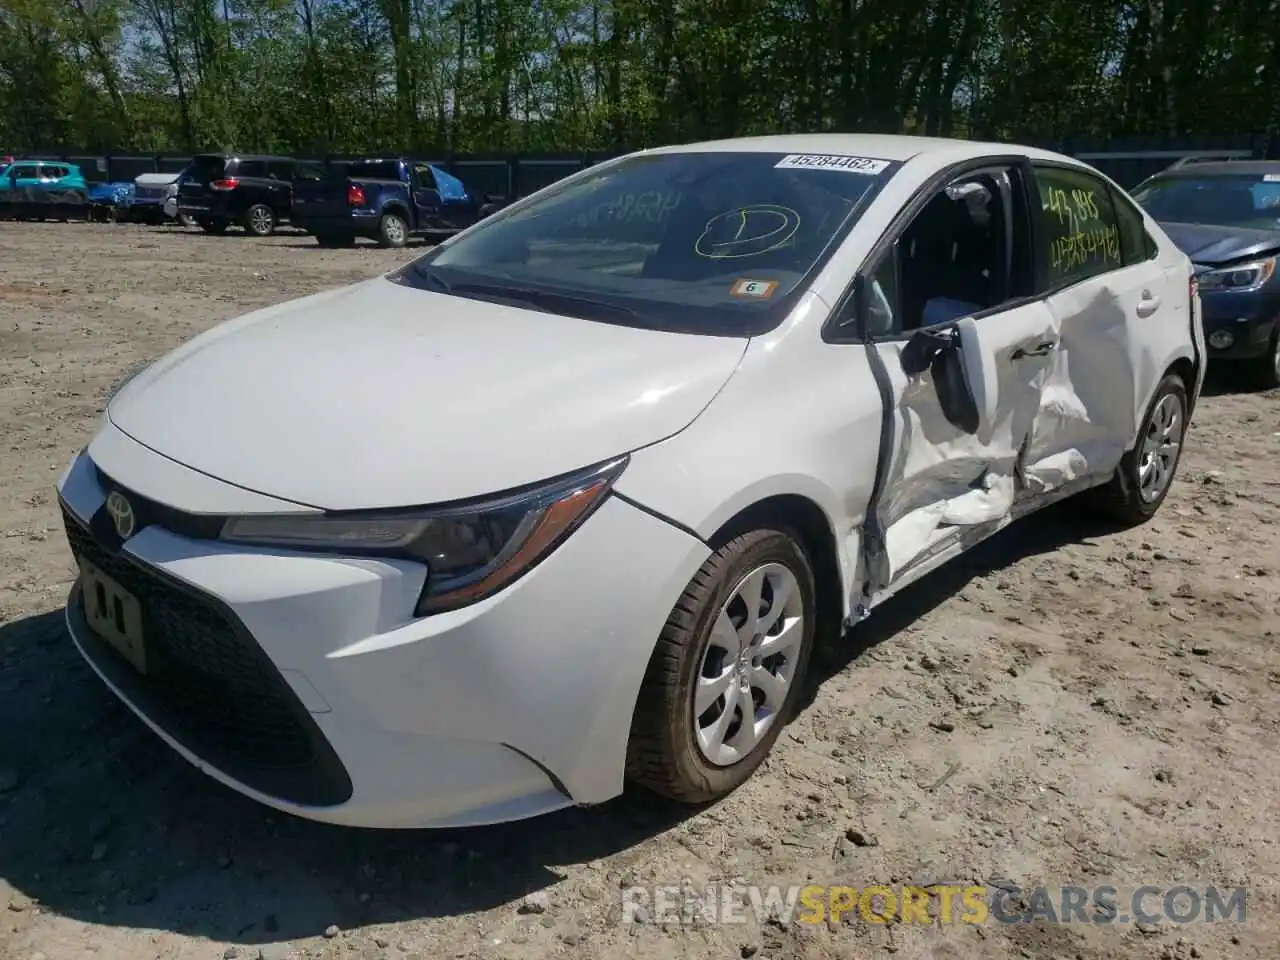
471,551
1242,278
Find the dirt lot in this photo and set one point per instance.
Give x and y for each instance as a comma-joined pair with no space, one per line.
1069,705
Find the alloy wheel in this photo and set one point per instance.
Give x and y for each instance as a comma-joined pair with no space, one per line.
749,664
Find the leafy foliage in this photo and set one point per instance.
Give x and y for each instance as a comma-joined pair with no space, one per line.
525,75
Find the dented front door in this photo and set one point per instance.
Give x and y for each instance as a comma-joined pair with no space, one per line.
960,427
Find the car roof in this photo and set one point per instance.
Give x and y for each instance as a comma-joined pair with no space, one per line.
896,147
1224,168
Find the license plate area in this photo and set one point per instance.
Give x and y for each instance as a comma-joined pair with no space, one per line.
114,614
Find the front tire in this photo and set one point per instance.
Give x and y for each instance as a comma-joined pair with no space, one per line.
393,232
722,682
1142,480
1266,369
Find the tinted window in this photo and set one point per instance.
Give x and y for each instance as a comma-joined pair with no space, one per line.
1079,237
715,243
204,169
309,172
375,170
1235,200
423,175
24,172
247,168
280,169
1136,244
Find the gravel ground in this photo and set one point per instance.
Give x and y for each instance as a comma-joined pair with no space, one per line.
1066,705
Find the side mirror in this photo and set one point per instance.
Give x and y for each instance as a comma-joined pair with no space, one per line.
925,347
979,367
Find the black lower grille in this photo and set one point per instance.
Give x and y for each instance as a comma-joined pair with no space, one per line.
211,687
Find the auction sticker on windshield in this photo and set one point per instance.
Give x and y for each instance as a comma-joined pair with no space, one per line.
756,289
826,161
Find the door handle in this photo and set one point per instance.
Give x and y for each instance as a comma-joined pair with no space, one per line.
1039,350
1149,304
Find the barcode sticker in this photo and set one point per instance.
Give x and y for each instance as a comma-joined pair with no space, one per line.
825,161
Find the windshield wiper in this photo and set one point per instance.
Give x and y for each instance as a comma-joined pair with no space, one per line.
548,302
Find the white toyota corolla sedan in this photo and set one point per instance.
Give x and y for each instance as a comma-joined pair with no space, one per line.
569,500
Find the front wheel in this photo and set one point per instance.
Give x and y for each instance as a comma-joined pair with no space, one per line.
1266,369
260,220
392,231
1142,480
727,669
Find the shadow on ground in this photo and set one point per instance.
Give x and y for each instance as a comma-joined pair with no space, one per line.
99,821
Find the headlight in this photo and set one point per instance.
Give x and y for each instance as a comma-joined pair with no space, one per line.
471,550
1240,279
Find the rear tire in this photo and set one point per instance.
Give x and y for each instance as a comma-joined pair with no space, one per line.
393,232
1142,480
693,757
260,220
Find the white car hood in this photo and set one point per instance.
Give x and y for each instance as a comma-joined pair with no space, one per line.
380,395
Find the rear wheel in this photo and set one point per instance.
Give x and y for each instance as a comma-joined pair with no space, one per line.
392,231
1142,480
727,670
260,220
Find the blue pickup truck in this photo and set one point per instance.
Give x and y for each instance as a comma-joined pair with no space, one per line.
385,200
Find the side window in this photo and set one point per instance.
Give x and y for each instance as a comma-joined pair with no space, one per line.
309,172
957,257
882,297
424,177
25,173
1136,244
1080,236
251,168
280,170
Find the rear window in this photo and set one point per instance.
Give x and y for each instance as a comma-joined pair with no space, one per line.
204,169
375,169
703,242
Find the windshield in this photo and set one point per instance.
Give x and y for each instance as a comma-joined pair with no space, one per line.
716,243
1238,200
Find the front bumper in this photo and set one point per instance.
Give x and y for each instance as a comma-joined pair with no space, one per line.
304,681
1246,323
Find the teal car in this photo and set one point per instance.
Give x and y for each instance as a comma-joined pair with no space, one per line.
43,189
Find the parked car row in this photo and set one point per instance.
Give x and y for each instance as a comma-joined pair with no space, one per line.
387,200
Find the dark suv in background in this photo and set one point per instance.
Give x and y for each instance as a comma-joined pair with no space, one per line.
255,192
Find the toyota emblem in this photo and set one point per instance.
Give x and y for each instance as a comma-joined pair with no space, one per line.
121,513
